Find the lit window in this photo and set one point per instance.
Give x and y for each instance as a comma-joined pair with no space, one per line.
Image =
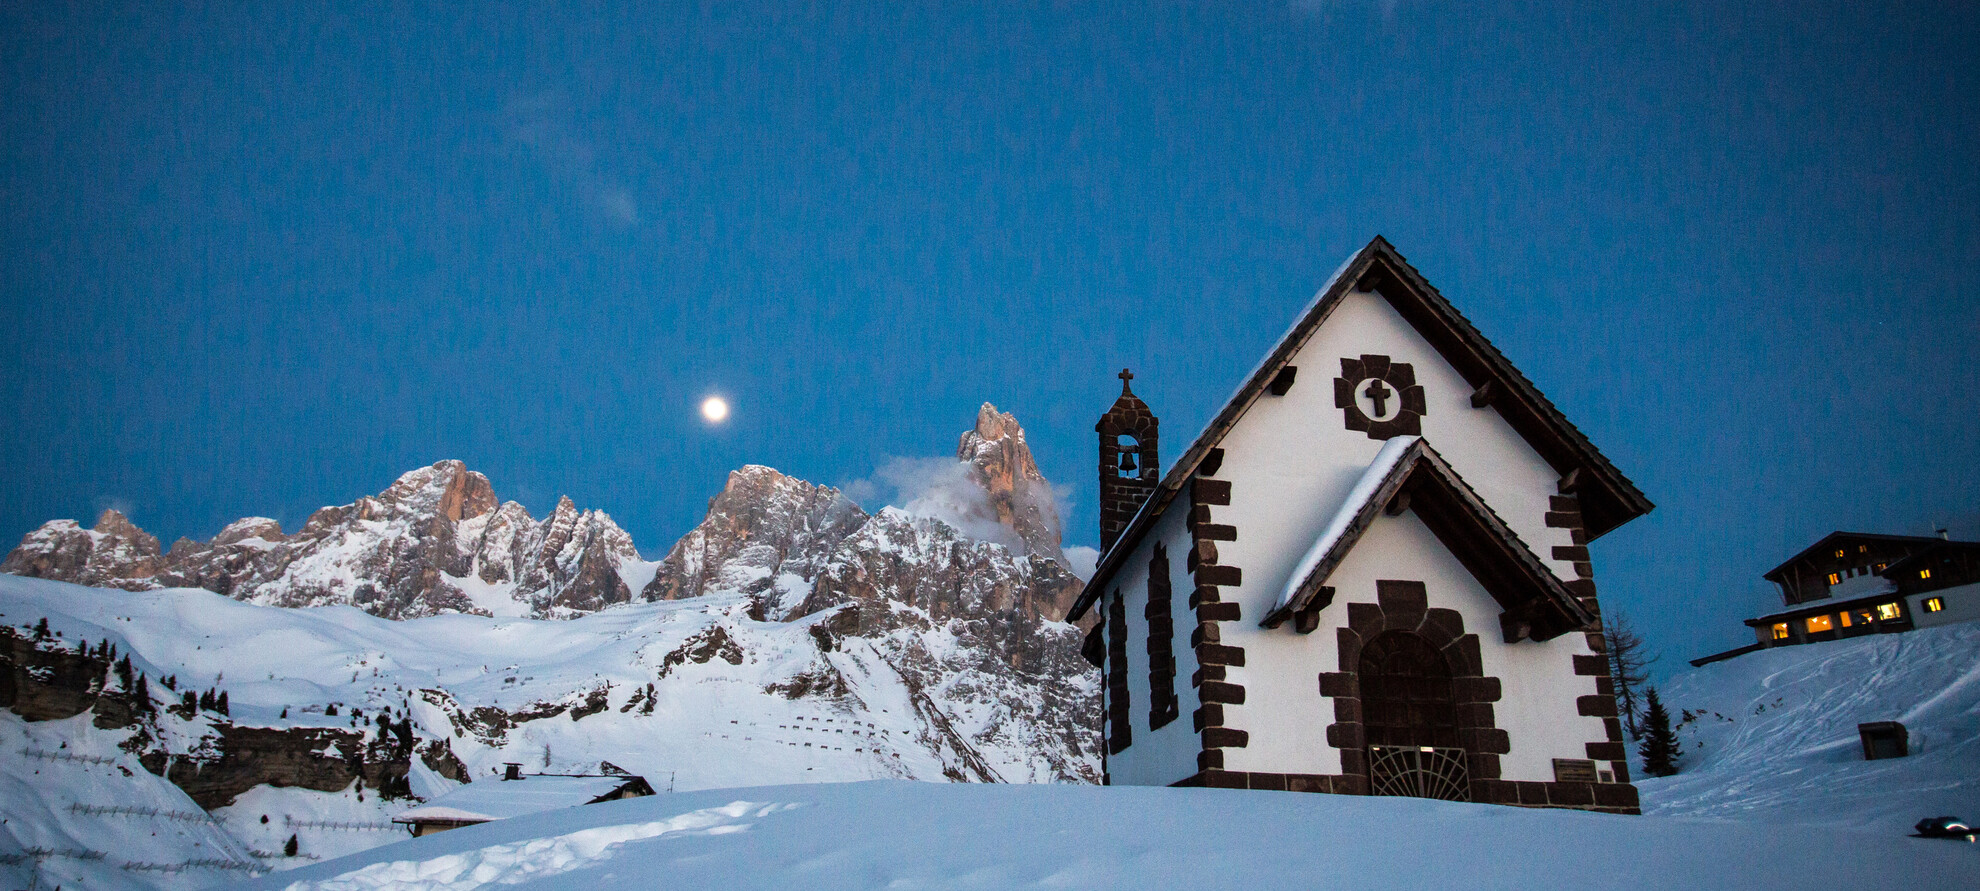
1887,611
1863,549
1835,578
1924,573
1934,604
1880,566
1845,619
1820,623
1839,553
1780,631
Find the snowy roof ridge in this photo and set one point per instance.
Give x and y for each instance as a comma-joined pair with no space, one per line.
1364,490
1537,603
501,799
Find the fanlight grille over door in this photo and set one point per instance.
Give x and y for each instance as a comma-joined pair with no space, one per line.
1409,713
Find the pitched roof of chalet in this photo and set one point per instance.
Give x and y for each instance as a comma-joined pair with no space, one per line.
1407,474
1840,537
501,799
1608,499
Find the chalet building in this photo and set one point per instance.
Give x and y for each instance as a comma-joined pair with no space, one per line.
1368,575
517,794
1854,583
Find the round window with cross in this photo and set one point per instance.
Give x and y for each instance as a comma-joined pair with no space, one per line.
1379,397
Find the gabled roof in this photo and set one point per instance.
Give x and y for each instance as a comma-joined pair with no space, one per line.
501,799
1840,537
1409,475
1608,499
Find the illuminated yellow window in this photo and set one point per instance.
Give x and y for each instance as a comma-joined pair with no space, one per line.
1880,566
1934,604
1887,611
1820,623
1835,578
1845,619
1780,631
1839,553
1924,573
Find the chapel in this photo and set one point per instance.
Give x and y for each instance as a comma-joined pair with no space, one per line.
1368,575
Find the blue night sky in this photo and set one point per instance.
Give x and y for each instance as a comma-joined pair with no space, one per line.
260,259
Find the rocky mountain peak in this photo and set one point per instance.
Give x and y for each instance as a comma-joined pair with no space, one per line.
1019,497
445,489
766,534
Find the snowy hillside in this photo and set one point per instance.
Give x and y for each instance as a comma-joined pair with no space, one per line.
919,835
692,694
1773,738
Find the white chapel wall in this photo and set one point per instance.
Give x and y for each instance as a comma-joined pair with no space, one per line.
1287,717
1291,462
1158,757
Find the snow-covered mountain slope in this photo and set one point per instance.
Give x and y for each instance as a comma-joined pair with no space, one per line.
1771,735
919,835
691,694
83,813
435,541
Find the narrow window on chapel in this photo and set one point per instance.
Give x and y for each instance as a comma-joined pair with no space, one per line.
1835,578
1924,573
1162,704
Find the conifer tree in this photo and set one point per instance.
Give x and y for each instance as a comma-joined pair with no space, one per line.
41,629
220,703
1629,667
289,848
1659,744
142,694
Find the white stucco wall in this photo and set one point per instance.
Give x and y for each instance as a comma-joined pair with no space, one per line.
1287,717
1962,604
1158,757
1291,461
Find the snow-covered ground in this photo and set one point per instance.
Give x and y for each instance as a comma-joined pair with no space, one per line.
1772,738
896,834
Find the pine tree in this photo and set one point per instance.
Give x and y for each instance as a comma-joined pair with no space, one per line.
191,703
206,700
289,848
142,695
1628,666
1659,745
220,703
41,629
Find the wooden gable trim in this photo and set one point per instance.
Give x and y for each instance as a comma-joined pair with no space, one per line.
1537,604
1609,498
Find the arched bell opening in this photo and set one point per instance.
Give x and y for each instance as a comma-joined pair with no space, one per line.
1127,452
1410,716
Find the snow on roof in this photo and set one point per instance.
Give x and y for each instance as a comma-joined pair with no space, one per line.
501,799
1365,488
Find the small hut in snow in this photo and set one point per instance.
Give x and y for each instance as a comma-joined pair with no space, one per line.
517,794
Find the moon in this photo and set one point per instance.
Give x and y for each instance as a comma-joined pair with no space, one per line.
714,409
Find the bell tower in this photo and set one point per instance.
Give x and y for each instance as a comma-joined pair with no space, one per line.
1130,465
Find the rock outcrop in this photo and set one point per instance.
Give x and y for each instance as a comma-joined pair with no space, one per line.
1017,494
113,554
766,534
435,541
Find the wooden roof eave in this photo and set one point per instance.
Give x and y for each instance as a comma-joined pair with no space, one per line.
1777,574
1477,360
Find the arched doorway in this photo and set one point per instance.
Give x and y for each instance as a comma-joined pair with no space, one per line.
1409,713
